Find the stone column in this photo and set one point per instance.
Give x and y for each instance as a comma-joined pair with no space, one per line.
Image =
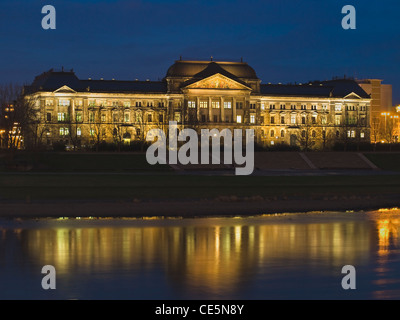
222,110
72,108
234,110
198,108
209,110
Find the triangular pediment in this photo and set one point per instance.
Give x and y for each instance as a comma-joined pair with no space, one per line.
217,81
352,95
65,89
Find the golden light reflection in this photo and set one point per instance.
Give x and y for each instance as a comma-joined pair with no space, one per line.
214,256
388,232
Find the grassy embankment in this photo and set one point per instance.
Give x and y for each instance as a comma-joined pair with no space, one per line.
96,183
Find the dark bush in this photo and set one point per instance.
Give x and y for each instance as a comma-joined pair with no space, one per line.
59,146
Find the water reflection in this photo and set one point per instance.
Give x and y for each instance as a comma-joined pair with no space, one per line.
205,258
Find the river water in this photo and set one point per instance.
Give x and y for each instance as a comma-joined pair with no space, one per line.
284,256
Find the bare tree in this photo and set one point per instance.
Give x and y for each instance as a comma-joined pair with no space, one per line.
140,123
20,119
95,125
118,128
375,129
74,132
305,134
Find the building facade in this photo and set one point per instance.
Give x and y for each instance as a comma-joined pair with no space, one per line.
200,94
381,106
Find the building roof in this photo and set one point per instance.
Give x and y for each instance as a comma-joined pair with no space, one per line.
211,69
343,87
331,89
124,86
195,70
295,90
53,80
187,69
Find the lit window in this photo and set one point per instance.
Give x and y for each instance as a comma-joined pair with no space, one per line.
91,132
239,119
351,134
338,107
79,117
227,105
215,104
203,104
103,118
127,104
362,135
252,118
78,132
293,119
64,102
127,117
61,116
323,120
337,120
192,104
61,131
262,106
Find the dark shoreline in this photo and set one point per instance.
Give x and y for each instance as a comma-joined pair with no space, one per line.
192,208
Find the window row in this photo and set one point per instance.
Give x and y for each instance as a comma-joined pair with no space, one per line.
351,120
95,117
96,102
313,134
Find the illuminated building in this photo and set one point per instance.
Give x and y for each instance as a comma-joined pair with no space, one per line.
381,104
200,94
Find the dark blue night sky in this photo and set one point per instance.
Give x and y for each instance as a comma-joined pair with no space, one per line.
283,40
